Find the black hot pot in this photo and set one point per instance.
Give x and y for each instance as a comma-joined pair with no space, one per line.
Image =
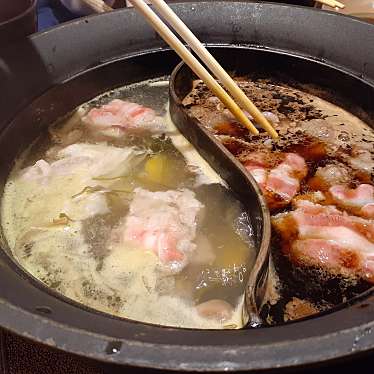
52,72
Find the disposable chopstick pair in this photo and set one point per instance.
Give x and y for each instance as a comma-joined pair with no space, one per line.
193,63
212,64
205,56
198,68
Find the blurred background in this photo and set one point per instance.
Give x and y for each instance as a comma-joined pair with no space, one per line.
53,12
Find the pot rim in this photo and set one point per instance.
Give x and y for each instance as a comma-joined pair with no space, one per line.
30,9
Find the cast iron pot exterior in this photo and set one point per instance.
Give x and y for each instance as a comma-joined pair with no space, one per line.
58,55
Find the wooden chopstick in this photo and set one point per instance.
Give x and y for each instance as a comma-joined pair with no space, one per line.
193,63
213,65
332,3
98,6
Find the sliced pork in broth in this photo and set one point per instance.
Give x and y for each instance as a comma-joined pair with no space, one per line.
278,174
119,117
318,181
324,236
359,200
164,223
106,210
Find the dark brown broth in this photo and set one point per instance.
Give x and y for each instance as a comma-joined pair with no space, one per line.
298,289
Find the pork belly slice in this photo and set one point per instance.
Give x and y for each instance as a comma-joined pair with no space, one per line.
118,117
330,175
88,160
362,158
164,223
323,236
358,200
278,175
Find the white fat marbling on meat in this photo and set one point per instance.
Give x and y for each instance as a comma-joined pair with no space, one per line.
359,200
164,223
87,160
324,236
118,117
